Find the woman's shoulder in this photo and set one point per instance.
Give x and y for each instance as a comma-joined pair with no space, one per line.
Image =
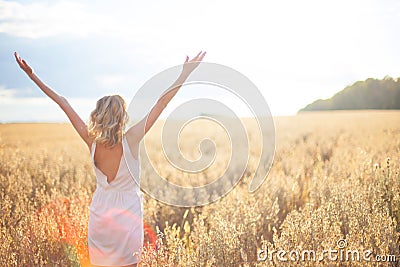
91,143
133,146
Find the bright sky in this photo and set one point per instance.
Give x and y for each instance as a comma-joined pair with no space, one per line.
294,51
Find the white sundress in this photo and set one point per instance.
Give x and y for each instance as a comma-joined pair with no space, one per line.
115,231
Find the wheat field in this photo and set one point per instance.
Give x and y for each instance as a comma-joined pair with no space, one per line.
335,177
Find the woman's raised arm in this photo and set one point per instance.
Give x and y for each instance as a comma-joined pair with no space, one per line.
76,121
138,131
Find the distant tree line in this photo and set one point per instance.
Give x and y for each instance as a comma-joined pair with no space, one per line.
368,94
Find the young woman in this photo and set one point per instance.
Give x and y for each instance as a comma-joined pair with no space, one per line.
115,232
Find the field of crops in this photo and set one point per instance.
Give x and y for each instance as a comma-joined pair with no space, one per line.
334,185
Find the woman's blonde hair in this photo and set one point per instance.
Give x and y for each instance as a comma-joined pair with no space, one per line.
107,121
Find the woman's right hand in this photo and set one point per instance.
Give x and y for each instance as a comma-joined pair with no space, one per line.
192,64
23,65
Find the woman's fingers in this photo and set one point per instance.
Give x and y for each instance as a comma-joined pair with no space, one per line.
198,54
198,57
22,63
202,56
17,58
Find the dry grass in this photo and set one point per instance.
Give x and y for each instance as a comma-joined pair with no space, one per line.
331,179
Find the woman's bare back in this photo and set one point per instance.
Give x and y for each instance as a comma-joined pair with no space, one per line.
108,160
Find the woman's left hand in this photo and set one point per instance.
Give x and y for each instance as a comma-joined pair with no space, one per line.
190,65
